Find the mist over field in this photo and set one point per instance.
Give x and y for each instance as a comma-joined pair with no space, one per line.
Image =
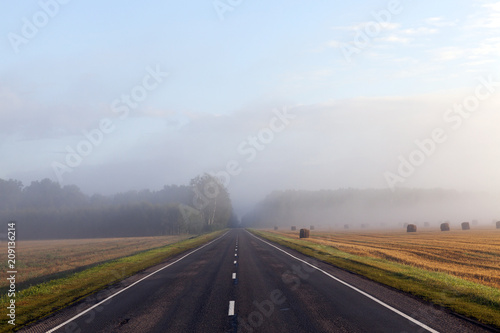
351,209
394,100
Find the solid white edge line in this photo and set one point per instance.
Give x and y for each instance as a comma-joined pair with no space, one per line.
133,284
352,287
230,312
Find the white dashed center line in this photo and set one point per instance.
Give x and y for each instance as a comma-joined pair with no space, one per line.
231,303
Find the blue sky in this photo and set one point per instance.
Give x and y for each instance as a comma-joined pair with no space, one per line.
227,75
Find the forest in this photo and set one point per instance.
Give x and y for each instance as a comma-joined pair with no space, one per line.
46,210
374,208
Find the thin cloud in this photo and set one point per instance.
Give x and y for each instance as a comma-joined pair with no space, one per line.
487,18
493,6
393,39
440,22
362,25
448,53
420,31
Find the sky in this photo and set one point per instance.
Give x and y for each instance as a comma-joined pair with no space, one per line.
115,96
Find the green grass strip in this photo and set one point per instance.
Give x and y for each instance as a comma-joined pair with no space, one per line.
470,299
43,299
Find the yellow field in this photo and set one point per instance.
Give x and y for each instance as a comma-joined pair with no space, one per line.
36,259
473,255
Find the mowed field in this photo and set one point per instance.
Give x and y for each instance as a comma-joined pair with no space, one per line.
473,255
45,258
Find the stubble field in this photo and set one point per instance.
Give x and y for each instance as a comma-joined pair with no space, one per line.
41,260
473,255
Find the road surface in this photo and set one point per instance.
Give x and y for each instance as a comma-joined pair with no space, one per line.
241,283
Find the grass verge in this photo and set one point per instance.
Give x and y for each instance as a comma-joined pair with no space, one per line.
469,299
43,299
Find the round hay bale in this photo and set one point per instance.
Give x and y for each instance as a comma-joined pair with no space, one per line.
411,228
363,226
311,227
304,233
294,228
427,224
275,228
346,226
445,226
498,225
465,226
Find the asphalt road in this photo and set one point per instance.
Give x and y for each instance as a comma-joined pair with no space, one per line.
240,283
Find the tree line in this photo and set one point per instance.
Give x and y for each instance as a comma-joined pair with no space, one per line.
370,207
46,210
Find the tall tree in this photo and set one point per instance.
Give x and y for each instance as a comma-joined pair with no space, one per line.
211,198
